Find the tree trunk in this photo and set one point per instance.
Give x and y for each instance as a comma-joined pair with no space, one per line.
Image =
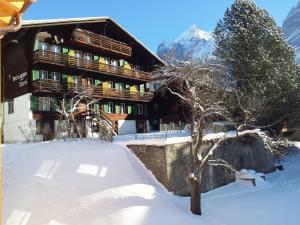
78,129
69,129
196,195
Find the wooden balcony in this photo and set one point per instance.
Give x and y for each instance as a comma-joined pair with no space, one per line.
63,59
57,87
101,42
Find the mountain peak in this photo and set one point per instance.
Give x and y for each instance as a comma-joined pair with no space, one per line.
291,28
194,32
192,43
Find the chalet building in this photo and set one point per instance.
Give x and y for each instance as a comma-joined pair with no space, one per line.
49,59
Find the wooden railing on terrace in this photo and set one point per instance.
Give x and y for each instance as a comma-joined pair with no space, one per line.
100,41
63,59
52,86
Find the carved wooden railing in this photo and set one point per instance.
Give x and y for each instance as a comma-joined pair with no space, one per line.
52,86
63,59
101,42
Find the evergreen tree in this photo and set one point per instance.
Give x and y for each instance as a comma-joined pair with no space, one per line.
258,58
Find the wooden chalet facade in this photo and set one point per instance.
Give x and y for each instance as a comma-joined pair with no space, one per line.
54,58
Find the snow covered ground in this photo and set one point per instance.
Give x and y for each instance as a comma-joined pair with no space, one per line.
95,183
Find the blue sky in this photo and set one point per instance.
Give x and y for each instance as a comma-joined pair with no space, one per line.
152,21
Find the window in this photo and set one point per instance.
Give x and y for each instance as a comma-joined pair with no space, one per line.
87,56
43,74
110,107
43,46
10,106
90,81
123,108
44,104
110,84
39,125
122,86
87,60
55,76
55,48
139,109
78,54
106,61
114,62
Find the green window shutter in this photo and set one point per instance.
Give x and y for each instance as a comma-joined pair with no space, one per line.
105,106
64,78
117,108
96,57
65,50
117,86
129,109
142,88
97,82
96,108
36,45
35,74
121,62
34,103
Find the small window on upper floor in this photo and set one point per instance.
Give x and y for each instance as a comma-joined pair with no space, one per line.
55,49
110,84
43,46
10,106
139,109
110,107
55,76
43,74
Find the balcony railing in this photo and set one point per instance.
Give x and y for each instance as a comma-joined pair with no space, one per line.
100,41
52,86
63,59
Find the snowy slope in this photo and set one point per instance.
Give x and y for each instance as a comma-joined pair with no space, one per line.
193,43
291,29
95,183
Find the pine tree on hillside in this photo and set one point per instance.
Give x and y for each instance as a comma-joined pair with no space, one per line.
253,48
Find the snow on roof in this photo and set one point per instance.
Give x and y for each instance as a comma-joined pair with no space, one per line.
53,22
29,23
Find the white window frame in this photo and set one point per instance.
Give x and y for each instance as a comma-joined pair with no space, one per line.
55,49
110,107
90,81
44,104
10,108
43,73
140,109
110,84
123,108
43,46
87,56
55,75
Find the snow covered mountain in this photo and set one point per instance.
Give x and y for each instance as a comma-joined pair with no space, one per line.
193,43
291,28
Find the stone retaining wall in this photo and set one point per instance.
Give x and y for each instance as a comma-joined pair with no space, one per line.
170,163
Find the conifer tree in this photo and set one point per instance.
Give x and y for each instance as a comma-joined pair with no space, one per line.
258,58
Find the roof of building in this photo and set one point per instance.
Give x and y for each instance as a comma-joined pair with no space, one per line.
54,22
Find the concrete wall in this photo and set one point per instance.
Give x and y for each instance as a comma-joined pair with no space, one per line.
22,116
126,126
170,163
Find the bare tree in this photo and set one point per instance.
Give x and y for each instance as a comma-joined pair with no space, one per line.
69,108
209,93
